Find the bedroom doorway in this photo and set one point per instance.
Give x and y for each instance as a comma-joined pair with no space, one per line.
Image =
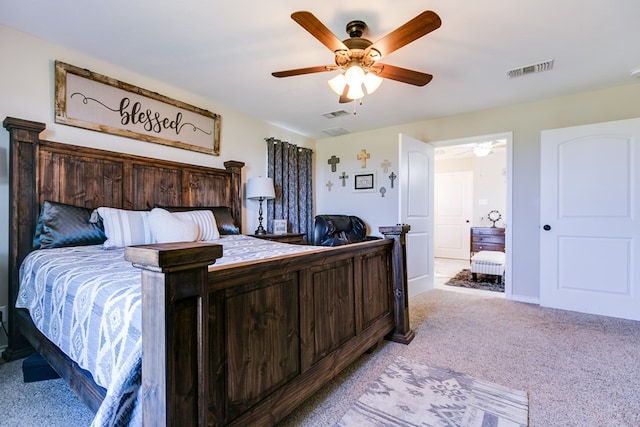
468,186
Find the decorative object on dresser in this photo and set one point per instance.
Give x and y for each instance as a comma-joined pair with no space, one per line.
279,226
494,216
260,188
294,238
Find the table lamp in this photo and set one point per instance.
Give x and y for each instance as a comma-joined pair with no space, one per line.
260,188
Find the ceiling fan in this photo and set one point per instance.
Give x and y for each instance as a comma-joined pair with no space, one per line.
359,57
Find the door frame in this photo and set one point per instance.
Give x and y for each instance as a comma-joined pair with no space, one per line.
508,136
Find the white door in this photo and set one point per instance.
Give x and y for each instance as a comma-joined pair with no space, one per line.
453,210
590,219
416,209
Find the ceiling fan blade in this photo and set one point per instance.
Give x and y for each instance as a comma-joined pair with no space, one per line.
300,71
343,98
403,75
412,30
318,30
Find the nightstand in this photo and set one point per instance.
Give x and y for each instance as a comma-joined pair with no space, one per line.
295,238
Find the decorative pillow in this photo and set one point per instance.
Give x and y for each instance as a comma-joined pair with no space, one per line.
66,225
222,215
206,223
167,227
125,228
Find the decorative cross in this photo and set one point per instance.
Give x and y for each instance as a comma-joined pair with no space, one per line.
343,177
385,166
329,184
363,156
392,177
333,161
382,191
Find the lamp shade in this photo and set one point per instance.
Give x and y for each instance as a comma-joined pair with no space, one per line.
260,188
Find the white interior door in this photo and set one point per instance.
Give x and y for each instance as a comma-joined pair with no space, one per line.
453,210
590,210
416,209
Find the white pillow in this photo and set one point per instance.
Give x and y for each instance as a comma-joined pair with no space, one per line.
125,228
208,229
167,227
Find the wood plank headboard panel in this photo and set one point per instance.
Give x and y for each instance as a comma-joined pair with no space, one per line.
43,170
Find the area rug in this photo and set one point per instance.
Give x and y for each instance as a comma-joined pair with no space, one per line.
409,393
486,282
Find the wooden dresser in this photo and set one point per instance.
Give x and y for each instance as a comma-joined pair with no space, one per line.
487,239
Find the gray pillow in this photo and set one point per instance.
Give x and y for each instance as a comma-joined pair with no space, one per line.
66,225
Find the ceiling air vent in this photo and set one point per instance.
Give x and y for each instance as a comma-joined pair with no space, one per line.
534,68
335,131
334,114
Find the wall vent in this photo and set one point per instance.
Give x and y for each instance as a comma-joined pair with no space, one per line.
334,114
335,131
533,68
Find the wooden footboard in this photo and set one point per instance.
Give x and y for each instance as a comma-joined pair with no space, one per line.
246,345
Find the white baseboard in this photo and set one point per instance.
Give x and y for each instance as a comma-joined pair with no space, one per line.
526,299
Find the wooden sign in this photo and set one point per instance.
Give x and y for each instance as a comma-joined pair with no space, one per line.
92,101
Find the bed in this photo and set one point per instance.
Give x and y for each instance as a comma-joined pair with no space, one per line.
226,343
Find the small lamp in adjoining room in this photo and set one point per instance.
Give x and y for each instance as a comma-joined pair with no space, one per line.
260,188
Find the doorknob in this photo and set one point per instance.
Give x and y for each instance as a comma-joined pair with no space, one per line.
546,227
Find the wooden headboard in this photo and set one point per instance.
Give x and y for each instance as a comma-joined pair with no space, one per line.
43,170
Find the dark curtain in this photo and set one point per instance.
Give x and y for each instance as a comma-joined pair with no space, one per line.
290,167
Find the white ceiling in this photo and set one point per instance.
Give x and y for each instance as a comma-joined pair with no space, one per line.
225,51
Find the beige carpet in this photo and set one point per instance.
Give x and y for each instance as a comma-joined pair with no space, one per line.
579,370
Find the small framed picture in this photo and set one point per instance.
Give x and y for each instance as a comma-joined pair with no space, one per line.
364,181
279,226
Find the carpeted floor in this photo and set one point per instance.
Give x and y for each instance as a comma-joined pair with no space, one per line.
578,369
485,282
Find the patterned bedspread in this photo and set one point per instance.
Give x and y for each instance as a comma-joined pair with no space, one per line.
87,301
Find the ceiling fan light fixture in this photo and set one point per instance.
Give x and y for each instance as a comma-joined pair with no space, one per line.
372,82
355,92
354,75
338,83
482,149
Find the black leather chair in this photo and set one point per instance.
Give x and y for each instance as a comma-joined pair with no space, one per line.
336,230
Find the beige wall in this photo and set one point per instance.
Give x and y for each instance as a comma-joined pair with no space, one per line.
525,121
26,88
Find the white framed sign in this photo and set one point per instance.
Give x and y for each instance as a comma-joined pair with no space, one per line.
279,226
92,101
